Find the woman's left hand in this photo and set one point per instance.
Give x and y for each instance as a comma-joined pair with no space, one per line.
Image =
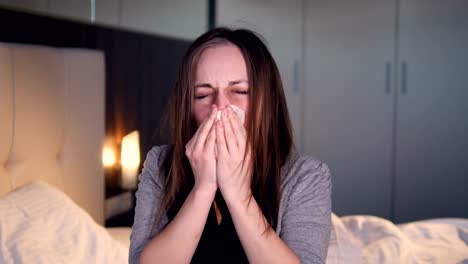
232,171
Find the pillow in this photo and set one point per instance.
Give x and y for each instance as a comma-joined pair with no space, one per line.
40,224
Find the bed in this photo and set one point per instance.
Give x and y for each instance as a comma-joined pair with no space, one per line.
52,179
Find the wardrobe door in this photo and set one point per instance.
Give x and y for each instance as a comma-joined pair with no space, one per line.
279,22
432,127
349,99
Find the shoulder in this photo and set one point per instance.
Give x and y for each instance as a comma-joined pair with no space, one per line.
304,173
148,200
152,163
156,155
304,217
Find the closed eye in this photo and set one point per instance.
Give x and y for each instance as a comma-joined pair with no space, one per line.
198,97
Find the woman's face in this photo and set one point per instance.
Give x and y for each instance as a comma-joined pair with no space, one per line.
220,79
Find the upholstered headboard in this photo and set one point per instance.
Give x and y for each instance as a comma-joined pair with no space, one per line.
52,121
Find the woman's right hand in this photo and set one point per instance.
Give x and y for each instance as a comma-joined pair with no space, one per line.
200,151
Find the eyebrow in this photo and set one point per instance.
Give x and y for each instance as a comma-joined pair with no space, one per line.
207,85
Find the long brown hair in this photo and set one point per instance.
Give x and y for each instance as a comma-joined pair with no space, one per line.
269,130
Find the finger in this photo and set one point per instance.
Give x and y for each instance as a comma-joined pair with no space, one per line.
237,127
220,140
211,139
194,138
231,140
246,160
188,143
192,142
204,129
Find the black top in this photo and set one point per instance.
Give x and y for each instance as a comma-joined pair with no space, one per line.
218,243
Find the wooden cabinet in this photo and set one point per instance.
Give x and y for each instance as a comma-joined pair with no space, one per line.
379,91
349,99
431,177
387,105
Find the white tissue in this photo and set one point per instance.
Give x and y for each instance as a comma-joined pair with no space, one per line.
240,113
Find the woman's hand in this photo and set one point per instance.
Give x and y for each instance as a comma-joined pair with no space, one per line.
200,152
233,175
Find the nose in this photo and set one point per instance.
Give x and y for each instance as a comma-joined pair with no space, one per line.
221,101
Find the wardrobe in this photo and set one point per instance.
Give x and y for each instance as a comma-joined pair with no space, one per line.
378,90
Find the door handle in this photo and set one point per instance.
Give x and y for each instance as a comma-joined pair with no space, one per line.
404,77
296,76
388,76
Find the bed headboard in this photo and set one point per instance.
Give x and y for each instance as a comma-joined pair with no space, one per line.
52,121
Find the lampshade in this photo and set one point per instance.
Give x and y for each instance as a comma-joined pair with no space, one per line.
130,160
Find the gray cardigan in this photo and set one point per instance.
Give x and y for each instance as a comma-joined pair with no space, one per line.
304,217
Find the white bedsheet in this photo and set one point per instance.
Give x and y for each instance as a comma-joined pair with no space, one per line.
40,224
370,239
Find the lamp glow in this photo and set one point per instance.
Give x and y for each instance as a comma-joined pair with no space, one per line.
109,155
130,160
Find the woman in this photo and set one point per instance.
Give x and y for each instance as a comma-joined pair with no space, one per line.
228,191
